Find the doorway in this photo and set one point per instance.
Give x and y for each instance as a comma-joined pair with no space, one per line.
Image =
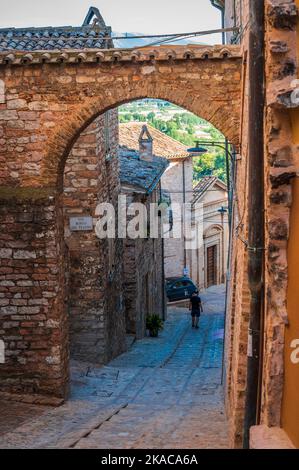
211,265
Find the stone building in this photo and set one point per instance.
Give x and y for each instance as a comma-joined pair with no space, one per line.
210,208
54,82
93,267
90,270
48,97
261,359
144,280
177,183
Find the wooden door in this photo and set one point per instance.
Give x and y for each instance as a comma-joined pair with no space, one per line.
211,265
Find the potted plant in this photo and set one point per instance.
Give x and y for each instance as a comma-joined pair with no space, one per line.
154,324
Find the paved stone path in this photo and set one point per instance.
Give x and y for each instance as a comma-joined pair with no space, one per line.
163,393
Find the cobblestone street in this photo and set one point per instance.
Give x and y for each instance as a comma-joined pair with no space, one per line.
163,393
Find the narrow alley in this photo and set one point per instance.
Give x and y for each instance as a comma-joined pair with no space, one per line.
163,392
139,169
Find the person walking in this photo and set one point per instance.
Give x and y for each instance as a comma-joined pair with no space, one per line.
196,309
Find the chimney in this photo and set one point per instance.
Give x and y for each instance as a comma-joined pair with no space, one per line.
145,145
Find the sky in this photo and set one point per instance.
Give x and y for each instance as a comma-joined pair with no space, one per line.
153,17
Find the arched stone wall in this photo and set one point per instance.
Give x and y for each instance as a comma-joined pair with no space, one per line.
48,104
94,268
46,107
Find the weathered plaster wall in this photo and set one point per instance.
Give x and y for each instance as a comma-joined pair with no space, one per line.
214,223
280,168
281,66
236,14
213,231
173,182
290,407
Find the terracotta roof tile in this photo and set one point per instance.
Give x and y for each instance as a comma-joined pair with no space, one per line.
163,145
36,39
87,36
140,174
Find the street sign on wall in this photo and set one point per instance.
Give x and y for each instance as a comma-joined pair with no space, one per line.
81,224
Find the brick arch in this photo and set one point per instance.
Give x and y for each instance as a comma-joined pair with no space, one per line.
221,114
50,99
49,104
45,107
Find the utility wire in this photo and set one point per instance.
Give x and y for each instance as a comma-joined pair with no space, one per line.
173,38
174,35
169,191
167,37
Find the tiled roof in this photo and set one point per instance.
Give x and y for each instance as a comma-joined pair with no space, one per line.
163,145
140,174
204,185
87,36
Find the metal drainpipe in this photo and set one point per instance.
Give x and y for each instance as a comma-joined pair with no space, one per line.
235,13
230,245
222,10
227,164
184,200
255,216
163,267
223,25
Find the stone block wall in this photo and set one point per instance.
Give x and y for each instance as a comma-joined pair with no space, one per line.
143,284
33,322
44,105
280,167
238,295
95,307
47,104
281,155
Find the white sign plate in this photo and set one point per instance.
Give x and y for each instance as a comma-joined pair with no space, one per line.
80,224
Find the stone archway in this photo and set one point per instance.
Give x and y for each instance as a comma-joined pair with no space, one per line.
46,107
56,100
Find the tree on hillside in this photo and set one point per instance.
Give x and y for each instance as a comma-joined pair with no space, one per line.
182,127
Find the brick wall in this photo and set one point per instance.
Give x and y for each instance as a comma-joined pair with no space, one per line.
43,109
53,280
46,105
280,68
237,14
281,154
238,295
97,327
33,322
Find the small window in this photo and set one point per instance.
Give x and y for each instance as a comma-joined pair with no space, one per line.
2,91
2,352
177,285
187,283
